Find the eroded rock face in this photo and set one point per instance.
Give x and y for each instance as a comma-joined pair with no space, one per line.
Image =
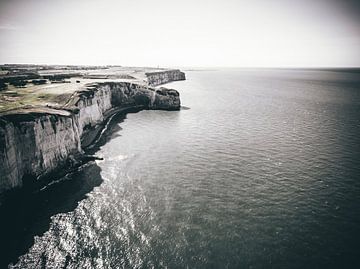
158,78
166,99
35,146
37,143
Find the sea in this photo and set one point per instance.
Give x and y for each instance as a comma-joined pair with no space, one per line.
259,169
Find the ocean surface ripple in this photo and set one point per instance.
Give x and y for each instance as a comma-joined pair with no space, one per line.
263,171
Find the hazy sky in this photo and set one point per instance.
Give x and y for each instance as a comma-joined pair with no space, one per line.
181,33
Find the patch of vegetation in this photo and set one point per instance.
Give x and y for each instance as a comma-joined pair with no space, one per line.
3,86
59,77
38,81
18,83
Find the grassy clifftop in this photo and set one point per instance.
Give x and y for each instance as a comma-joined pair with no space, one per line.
38,86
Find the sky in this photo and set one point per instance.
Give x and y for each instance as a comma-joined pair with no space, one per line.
182,33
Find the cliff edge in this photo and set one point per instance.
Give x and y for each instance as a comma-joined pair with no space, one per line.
36,140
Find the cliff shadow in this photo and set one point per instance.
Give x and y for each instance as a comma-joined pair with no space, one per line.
26,214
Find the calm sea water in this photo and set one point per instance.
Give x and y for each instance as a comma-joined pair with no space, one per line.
263,171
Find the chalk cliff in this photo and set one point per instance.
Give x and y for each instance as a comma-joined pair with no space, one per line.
36,141
161,77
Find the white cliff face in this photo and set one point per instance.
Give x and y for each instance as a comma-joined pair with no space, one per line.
92,108
35,146
10,164
55,139
38,143
158,78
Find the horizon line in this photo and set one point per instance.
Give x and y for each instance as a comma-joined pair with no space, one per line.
188,67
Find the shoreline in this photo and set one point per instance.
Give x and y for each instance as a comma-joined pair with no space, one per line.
93,138
34,198
39,145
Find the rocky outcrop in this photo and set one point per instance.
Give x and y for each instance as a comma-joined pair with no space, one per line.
158,78
35,142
